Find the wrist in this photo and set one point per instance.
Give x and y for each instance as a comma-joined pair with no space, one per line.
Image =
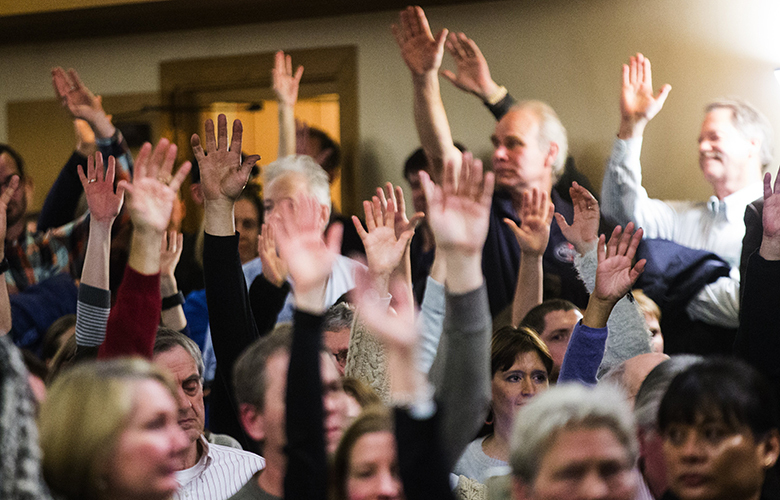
218,218
464,272
598,311
770,248
631,128
585,247
492,93
168,285
103,127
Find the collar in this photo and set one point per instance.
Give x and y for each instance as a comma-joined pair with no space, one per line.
187,475
733,206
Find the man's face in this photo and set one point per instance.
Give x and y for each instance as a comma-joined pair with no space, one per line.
582,464
337,343
17,207
724,152
558,326
189,389
519,161
418,194
248,226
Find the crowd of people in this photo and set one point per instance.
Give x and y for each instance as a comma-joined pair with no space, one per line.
511,337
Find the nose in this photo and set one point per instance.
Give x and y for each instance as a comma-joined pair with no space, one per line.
593,487
183,401
500,153
690,448
389,486
705,146
528,387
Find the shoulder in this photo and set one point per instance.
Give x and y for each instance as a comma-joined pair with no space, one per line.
227,455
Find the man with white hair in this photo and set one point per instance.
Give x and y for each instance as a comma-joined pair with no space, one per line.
574,442
734,144
287,179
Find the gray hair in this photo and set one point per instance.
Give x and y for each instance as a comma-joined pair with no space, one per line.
316,177
338,317
551,130
653,388
167,339
249,372
568,407
750,122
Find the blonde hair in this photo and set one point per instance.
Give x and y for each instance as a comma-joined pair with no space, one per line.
86,410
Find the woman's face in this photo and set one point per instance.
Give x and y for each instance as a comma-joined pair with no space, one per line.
373,468
150,448
514,387
712,460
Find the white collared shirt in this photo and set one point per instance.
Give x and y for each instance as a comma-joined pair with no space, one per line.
219,474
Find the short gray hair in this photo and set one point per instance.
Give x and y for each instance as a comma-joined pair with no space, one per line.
249,372
167,339
316,178
568,407
750,122
338,317
652,390
550,130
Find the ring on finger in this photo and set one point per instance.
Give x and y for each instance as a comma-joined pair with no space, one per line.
91,181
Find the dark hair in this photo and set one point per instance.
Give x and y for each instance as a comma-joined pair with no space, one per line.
654,386
331,163
535,317
725,388
5,148
418,161
249,371
509,342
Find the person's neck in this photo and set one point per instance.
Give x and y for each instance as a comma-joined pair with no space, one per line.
14,232
496,445
192,455
271,478
729,187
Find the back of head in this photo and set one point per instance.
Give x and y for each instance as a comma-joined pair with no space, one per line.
653,388
249,372
331,162
316,178
509,342
535,318
551,130
567,407
751,122
168,339
5,148
82,418
726,389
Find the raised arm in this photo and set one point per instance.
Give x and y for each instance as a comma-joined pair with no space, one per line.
532,236
286,89
172,314
104,205
132,325
423,54
638,104
5,303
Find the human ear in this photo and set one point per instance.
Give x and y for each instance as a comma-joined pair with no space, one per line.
769,449
520,489
552,154
252,421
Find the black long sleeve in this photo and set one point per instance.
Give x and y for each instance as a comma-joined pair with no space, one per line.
267,301
307,465
59,208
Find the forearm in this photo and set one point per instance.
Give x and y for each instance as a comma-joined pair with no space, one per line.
145,251
529,290
717,303
96,259
92,312
432,126
172,317
5,310
286,130
267,301
758,323
430,324
464,271
61,202
583,355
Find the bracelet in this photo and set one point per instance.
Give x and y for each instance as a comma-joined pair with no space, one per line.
4,265
173,301
496,96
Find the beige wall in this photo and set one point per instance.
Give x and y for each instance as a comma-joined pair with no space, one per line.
565,52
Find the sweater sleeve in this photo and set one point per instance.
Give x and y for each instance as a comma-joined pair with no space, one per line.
307,464
583,355
92,311
132,324
267,301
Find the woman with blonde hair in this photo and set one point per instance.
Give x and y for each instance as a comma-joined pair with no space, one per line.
109,429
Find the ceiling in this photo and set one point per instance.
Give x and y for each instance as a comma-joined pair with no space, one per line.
34,21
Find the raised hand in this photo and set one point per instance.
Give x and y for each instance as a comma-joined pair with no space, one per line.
5,198
770,243
421,51
459,209
274,268
396,195
104,204
615,274
222,174
80,101
394,327
535,219
170,252
638,104
309,257
583,232
286,82
473,73
153,191
384,250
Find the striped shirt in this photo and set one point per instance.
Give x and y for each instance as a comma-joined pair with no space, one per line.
220,473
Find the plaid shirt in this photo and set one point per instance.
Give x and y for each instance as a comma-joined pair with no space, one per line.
35,257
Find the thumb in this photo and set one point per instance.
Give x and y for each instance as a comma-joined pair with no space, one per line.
449,75
663,94
440,39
